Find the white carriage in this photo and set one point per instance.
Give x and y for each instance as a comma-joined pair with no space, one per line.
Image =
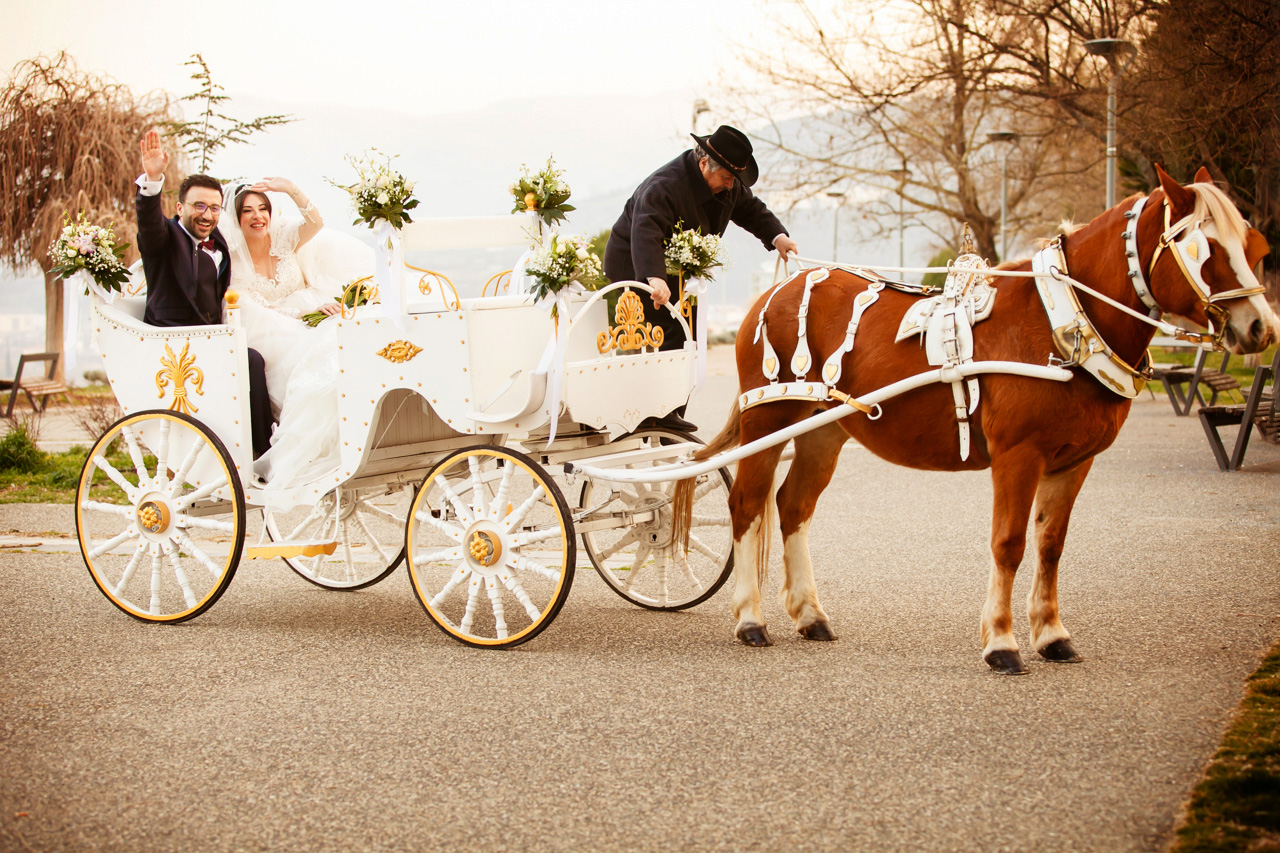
447,457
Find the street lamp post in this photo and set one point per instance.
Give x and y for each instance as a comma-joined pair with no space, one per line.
1004,136
837,196
1110,49
901,176
700,106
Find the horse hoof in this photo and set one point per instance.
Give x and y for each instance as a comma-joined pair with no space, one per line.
820,630
754,635
1006,662
1061,651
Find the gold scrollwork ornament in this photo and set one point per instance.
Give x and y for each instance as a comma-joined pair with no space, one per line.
631,332
399,351
179,370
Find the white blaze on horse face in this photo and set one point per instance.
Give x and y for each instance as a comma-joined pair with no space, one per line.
1245,278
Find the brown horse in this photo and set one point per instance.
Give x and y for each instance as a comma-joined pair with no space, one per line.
1038,437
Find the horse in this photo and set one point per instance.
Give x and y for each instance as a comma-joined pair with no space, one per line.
1194,257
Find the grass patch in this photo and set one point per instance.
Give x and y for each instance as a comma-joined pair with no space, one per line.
52,479
1236,806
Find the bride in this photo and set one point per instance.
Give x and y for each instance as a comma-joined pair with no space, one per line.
284,268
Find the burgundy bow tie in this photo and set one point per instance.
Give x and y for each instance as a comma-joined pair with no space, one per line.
207,245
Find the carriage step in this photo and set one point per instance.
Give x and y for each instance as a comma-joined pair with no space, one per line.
301,548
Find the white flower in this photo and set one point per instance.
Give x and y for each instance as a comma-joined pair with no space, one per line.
383,198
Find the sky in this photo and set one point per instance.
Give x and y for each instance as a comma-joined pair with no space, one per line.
424,57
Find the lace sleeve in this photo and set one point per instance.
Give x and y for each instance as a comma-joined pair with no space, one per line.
284,235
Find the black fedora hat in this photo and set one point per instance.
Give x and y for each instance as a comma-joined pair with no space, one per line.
730,147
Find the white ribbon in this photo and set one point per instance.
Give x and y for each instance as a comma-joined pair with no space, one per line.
389,272
552,362
696,288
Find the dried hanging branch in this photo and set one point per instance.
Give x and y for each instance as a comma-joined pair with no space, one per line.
68,142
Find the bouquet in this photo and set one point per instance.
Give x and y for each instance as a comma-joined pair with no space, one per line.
91,248
352,297
692,254
543,192
561,261
381,193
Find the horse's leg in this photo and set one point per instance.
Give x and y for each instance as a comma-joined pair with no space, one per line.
816,456
1014,478
748,507
1054,499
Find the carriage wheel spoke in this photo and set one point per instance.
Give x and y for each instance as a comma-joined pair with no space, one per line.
504,489
380,512
683,560
626,539
459,506
188,521
180,574
637,567
162,456
112,509
116,477
373,540
709,520
154,606
200,493
530,537
524,564
194,550
711,484
478,502
443,554
662,563
473,595
118,589
458,577
130,532
512,583
495,600
180,478
317,512
324,531
698,545
514,519
135,453
452,531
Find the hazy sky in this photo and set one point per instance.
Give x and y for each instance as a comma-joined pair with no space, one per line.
422,57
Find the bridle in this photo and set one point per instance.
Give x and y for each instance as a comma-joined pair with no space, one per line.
1190,249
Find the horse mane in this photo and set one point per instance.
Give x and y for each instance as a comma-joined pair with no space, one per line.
1213,202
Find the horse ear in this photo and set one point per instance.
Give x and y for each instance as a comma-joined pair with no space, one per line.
1181,200
1202,176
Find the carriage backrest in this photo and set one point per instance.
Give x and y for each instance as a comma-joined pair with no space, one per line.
469,232
502,238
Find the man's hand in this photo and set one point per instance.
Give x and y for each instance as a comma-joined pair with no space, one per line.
154,158
661,293
786,246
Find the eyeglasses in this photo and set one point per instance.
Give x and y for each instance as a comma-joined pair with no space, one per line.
201,207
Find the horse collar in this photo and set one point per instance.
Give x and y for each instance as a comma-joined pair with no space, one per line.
1135,262
1073,333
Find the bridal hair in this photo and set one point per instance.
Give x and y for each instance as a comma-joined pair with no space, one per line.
197,181
242,192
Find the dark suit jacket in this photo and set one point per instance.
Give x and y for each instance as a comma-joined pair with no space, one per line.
169,257
678,192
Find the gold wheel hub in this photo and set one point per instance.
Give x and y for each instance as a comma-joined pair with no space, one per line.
484,547
153,517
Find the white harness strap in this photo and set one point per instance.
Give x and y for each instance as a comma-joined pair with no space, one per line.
770,365
831,370
802,358
1135,263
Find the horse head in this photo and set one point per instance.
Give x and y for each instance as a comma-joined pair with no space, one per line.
1206,263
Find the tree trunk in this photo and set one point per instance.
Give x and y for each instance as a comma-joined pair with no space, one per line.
53,320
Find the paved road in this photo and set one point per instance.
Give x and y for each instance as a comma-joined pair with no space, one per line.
293,718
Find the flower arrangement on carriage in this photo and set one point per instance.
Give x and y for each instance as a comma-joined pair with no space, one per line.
692,255
82,247
544,192
564,262
381,194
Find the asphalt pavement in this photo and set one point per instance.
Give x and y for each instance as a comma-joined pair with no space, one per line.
294,718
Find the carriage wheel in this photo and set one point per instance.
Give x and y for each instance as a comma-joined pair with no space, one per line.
160,516
490,546
639,561
369,529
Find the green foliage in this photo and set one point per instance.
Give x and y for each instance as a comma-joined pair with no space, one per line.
214,130
938,279
1236,806
18,451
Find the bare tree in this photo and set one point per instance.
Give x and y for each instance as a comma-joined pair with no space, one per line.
900,99
68,142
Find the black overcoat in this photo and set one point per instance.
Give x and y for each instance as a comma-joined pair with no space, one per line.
169,258
677,192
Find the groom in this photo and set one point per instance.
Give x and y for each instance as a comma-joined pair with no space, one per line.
188,265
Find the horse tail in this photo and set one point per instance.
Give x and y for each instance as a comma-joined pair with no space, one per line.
682,497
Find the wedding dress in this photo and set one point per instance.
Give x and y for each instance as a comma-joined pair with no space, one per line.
301,361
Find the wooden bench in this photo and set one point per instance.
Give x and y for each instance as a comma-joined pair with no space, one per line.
1261,411
44,388
1182,382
